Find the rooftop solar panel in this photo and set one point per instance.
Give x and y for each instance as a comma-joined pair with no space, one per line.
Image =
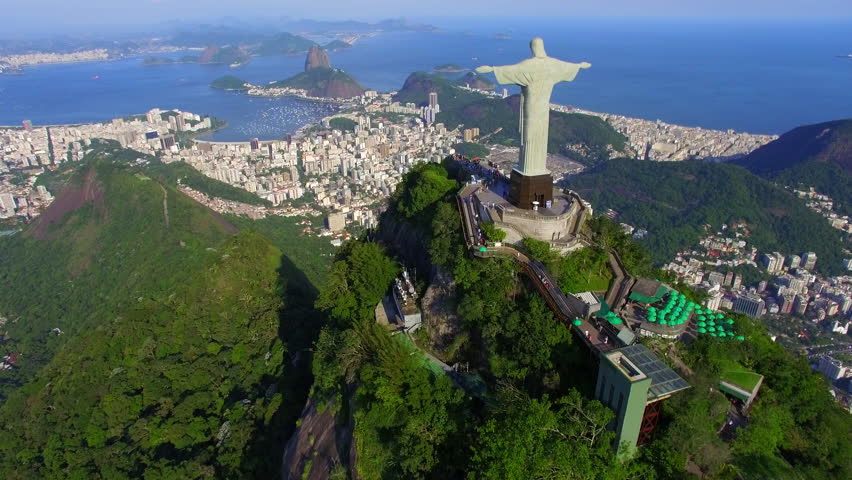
664,380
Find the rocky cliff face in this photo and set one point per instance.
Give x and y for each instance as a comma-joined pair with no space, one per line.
317,58
319,446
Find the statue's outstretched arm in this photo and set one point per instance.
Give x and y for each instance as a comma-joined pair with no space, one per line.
485,69
585,65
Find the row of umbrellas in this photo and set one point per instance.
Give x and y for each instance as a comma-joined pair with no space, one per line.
677,309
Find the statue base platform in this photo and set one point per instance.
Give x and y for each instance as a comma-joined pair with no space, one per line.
524,190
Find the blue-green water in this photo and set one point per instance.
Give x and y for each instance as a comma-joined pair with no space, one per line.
762,78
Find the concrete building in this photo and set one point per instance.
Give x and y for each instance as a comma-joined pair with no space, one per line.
831,368
749,304
715,278
633,383
794,261
809,260
336,222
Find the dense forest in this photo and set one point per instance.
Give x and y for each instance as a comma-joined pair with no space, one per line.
675,200
142,278
585,138
181,385
75,270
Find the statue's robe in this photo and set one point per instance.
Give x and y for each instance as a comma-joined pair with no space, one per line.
536,76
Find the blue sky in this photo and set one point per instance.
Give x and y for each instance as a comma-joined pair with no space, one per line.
40,14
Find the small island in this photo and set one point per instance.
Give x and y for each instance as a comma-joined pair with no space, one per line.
229,83
153,61
449,68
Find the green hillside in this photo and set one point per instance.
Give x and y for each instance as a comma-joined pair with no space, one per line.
491,114
324,82
283,44
228,82
176,385
104,244
674,200
818,156
337,45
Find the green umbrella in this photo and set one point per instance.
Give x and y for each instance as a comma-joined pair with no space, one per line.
702,324
730,321
578,322
713,333
712,329
702,330
652,319
663,322
702,318
741,338
615,321
712,323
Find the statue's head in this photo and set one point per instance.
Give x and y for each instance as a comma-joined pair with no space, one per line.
537,47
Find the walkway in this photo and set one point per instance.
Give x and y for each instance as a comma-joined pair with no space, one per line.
566,310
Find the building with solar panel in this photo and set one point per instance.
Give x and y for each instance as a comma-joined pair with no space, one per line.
633,382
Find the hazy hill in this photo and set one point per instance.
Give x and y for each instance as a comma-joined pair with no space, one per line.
818,156
582,137
283,44
475,80
674,200
337,45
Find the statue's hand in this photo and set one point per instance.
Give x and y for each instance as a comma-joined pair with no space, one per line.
585,65
485,69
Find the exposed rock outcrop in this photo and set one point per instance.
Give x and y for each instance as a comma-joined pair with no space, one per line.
317,58
319,446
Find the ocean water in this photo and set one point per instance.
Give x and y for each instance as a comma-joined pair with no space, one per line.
755,77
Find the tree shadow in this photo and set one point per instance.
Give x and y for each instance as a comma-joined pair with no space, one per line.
298,328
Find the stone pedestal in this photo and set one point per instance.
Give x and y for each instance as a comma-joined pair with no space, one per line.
523,190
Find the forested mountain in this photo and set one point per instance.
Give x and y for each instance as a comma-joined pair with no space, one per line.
818,156
581,137
675,200
171,328
110,238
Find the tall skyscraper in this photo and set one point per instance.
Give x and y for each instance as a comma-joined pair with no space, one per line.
255,144
433,100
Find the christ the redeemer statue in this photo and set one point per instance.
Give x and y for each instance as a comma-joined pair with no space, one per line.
536,76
